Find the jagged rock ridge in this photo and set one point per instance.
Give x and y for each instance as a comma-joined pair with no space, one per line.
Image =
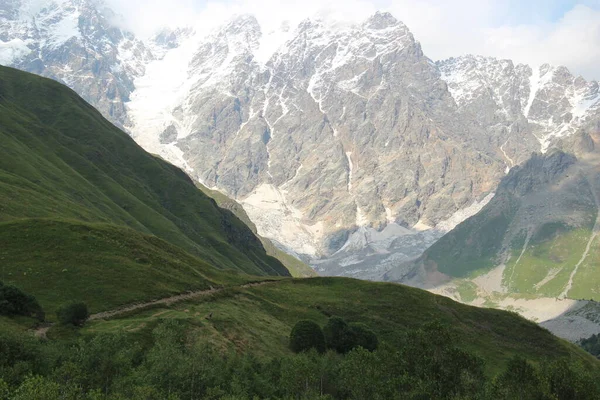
342,140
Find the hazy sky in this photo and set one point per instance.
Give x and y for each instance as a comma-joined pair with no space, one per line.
561,32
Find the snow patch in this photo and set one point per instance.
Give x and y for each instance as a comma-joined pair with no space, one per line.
350,170
13,50
510,160
534,85
276,219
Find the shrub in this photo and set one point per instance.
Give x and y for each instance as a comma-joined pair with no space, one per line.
337,333
307,335
4,390
73,313
342,337
364,337
13,301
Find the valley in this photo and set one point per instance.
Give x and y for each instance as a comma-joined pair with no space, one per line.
313,159
202,190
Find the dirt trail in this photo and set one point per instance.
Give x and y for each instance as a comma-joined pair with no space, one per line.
43,329
169,300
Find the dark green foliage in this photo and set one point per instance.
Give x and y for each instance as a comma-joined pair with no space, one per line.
343,337
14,301
363,336
337,335
569,381
307,335
164,362
520,381
591,345
75,313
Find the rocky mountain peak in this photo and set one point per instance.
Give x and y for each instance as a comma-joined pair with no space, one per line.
381,20
340,138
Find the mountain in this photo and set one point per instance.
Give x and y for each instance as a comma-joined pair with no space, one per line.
520,104
78,43
61,160
310,141
536,239
345,144
181,303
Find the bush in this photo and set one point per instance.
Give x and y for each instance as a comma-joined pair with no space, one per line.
73,314
337,333
13,301
364,337
307,335
342,337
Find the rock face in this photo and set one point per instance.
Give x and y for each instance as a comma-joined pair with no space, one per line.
539,232
343,127
344,143
519,106
75,43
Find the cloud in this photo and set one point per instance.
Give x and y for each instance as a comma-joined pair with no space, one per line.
573,41
560,32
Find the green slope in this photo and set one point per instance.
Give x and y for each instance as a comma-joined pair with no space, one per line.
104,265
61,159
85,214
259,319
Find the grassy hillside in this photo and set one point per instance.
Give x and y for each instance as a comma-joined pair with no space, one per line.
61,159
296,267
259,319
104,265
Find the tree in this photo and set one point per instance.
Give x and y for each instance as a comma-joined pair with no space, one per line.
591,345
307,335
13,301
364,337
75,313
38,388
4,390
337,335
520,380
342,337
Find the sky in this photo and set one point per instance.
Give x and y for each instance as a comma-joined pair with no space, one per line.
559,32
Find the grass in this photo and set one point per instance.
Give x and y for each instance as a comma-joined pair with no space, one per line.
472,247
467,291
259,319
558,253
61,159
586,283
85,214
103,265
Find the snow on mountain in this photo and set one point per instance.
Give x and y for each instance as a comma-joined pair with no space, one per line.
74,42
342,140
13,49
548,101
